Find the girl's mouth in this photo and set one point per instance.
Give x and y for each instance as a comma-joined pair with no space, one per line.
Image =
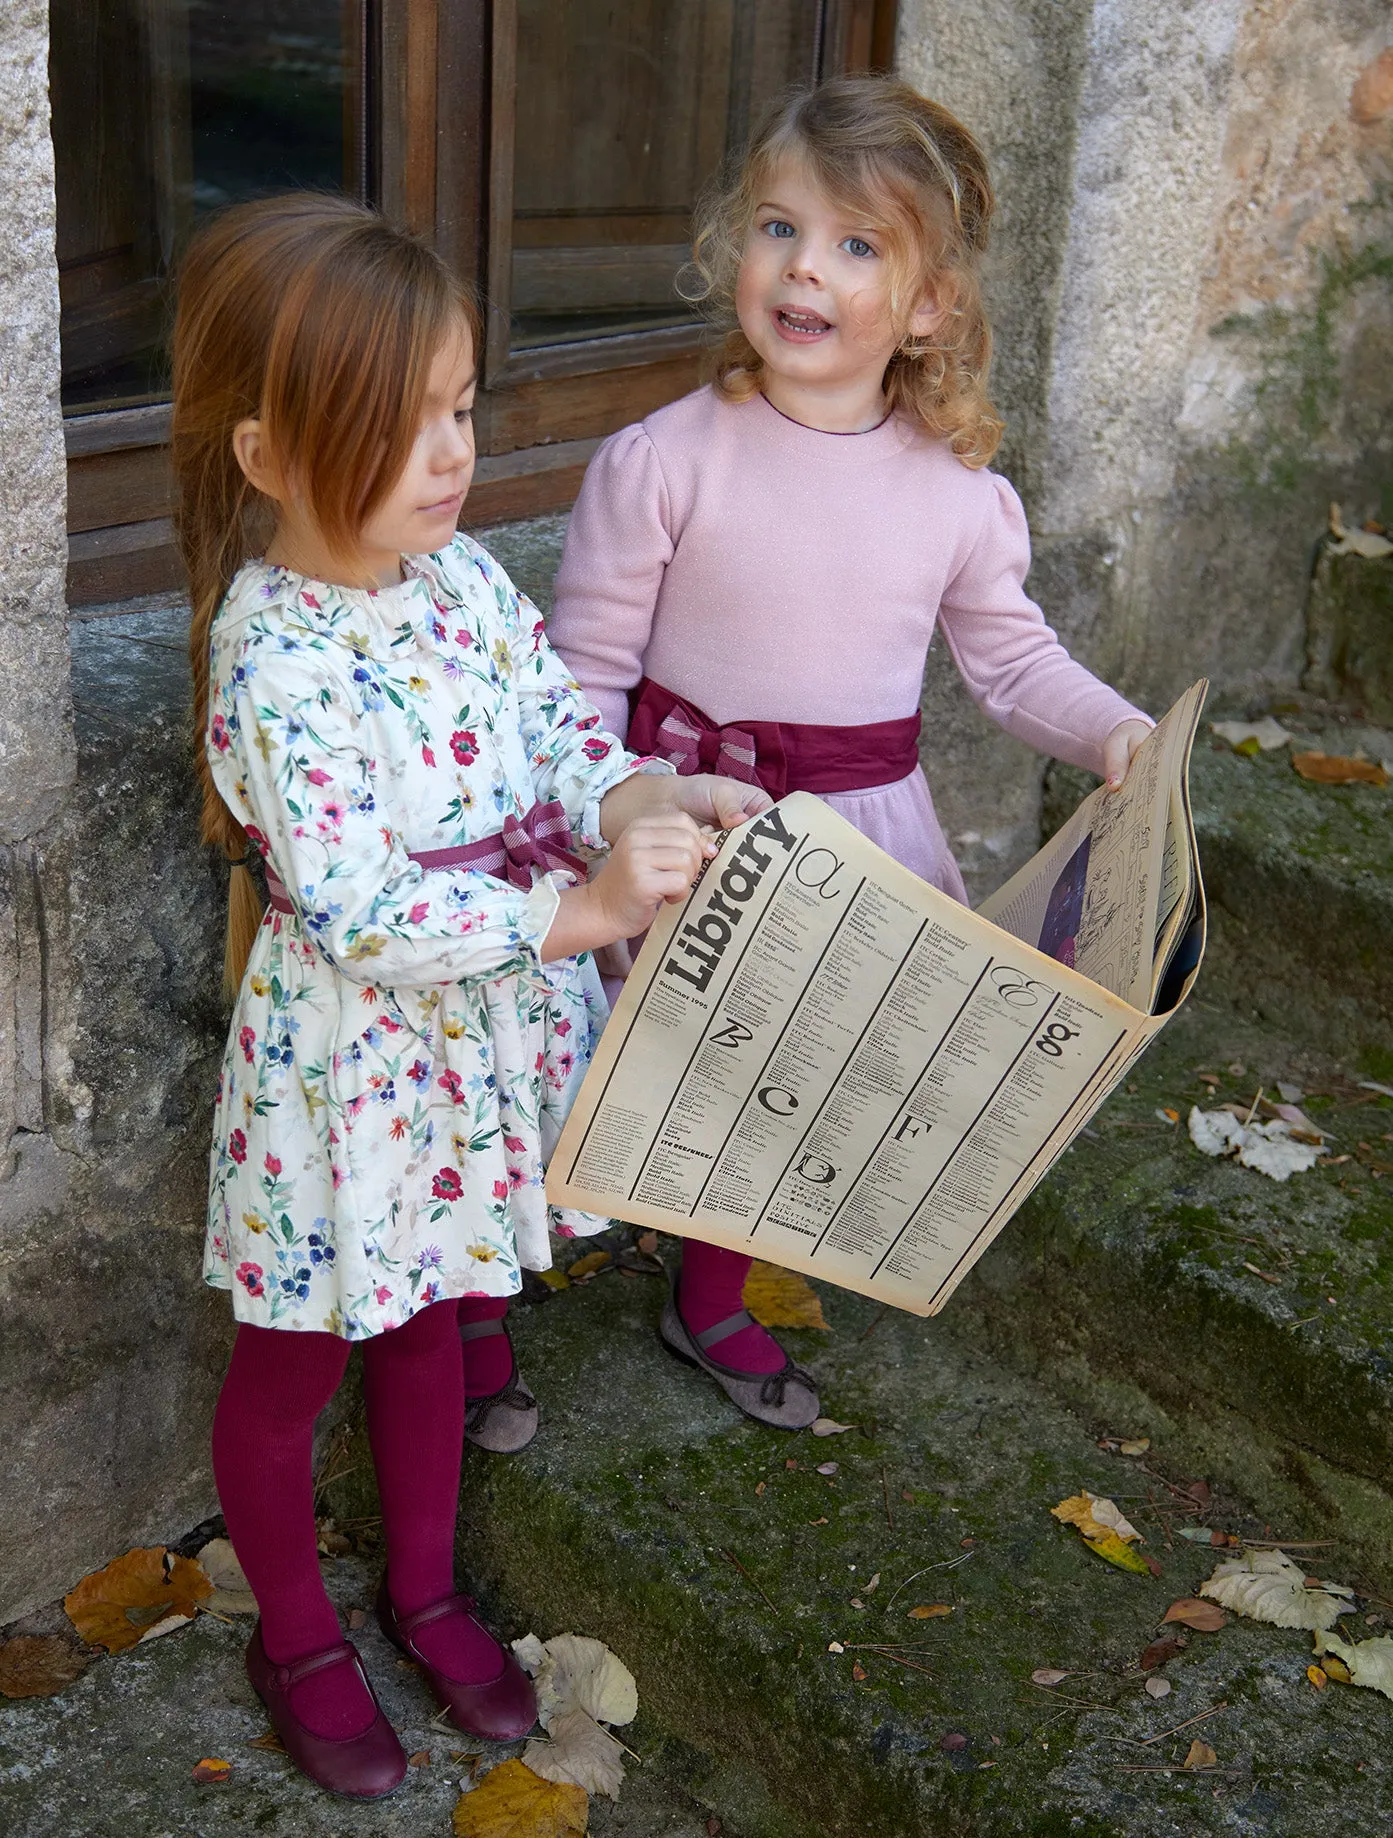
798,325
445,506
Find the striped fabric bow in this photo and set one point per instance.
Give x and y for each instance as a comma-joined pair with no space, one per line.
538,840
729,751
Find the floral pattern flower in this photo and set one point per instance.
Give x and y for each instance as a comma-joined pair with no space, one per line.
400,1060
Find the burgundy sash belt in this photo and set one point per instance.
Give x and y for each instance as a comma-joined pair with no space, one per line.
782,756
523,844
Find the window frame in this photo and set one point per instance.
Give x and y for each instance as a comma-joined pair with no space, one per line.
432,110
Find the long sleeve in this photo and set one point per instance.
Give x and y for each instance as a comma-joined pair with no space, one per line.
289,754
618,543
1015,668
572,757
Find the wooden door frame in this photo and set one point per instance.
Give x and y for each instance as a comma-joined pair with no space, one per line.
430,117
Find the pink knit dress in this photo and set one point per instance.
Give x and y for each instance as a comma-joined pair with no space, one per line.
765,571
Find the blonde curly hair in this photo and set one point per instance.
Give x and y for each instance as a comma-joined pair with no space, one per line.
914,169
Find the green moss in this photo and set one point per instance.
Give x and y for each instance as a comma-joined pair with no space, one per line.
1296,397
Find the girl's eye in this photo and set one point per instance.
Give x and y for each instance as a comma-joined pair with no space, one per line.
858,246
778,227
465,414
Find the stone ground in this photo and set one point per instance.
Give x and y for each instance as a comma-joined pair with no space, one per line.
1245,1328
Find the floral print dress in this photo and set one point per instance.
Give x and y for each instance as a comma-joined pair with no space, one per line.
400,1059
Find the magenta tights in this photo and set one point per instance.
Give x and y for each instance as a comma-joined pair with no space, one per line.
413,1388
710,1291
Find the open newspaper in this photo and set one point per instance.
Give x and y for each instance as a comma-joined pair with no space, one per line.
823,1061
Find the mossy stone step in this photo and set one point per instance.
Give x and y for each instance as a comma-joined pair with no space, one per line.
650,1514
1299,878
1246,1310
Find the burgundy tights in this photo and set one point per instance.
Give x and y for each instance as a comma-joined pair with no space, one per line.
712,1283
413,1388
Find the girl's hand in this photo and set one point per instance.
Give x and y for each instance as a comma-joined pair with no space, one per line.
724,804
656,859
1118,749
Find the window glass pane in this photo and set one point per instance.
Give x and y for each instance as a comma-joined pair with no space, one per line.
162,110
624,109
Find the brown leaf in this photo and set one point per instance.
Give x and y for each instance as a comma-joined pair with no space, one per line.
1335,769
1207,1617
419,1758
1048,1676
587,1265
1200,1755
210,1772
930,1611
713,1828
648,1243
33,1666
1158,1653
269,1744
859,1672
135,1596
952,1742
781,1298
513,1802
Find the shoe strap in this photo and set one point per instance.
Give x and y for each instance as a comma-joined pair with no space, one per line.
481,1330
731,1325
300,1669
407,1625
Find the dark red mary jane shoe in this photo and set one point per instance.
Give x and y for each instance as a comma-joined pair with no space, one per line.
363,1767
499,1710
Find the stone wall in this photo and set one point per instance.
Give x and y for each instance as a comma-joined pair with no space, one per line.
1190,289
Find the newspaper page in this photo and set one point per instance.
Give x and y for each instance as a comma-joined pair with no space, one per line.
822,1061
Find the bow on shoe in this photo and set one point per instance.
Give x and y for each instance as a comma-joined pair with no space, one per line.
772,1391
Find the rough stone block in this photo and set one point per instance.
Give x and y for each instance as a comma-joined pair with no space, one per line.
1349,632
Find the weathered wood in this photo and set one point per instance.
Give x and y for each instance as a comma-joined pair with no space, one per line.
107,489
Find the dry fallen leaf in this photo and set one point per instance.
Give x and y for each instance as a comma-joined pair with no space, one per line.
572,1671
930,1611
828,1426
588,1265
1263,736
420,1758
1369,1662
1104,1530
1273,1149
1048,1676
576,1749
270,1743
513,1802
828,1467
1335,769
40,1666
1317,1677
211,1772
1162,1650
1134,1445
648,1243
554,1278
137,1597
858,1672
1204,1616
1200,1755
231,1592
1268,1586
781,1298
1157,1687
1369,543
1095,1516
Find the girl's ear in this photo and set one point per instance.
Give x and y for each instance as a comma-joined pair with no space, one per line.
253,455
935,307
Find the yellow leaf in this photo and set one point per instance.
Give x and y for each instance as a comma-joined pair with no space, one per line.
1095,1517
930,1611
1318,1678
212,1771
1111,1547
554,1278
1358,1662
1200,1755
134,1596
587,1265
781,1298
513,1802
1138,1445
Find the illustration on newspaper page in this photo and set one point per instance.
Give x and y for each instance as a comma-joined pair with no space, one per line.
823,1061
